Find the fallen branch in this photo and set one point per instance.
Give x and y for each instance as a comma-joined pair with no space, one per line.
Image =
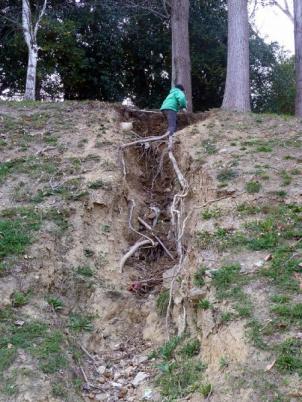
43,150
131,226
132,250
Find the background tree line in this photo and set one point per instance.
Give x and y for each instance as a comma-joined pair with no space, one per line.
91,49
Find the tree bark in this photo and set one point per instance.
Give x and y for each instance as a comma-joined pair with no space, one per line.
298,55
181,61
237,87
30,31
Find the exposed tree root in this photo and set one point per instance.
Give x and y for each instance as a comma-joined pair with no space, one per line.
132,250
177,210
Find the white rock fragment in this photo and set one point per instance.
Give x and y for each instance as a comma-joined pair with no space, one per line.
139,378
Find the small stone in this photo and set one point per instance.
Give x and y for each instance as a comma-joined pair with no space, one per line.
300,265
101,369
19,323
142,359
139,378
115,384
268,257
259,264
123,392
101,397
197,294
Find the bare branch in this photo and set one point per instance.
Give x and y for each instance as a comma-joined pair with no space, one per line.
42,12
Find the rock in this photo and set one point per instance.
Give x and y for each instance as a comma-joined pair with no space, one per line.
259,264
196,294
140,359
139,378
126,125
115,384
268,257
101,369
101,397
123,392
151,395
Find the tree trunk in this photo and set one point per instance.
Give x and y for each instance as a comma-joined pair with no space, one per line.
30,88
30,36
181,61
237,87
298,55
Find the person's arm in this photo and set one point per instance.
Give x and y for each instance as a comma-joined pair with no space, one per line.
181,98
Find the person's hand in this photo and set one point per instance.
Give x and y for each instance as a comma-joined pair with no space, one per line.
185,110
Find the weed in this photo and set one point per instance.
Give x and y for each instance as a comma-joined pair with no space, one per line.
211,213
226,175
248,209
264,148
291,312
179,378
20,299
289,358
279,299
286,178
88,253
226,276
253,187
59,390
85,271
100,184
203,304
206,390
209,147
226,317
162,302
198,279
191,348
78,323
50,354
223,362
254,334
105,228
167,350
55,303
16,228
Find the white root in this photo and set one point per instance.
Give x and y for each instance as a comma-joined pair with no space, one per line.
133,249
144,140
156,237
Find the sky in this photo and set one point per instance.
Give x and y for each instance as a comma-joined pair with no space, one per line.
275,26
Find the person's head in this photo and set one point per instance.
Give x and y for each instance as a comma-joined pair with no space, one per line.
181,87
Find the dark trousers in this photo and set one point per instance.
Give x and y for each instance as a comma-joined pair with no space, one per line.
172,119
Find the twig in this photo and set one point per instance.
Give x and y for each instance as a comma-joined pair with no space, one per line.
87,353
131,226
85,376
43,150
133,249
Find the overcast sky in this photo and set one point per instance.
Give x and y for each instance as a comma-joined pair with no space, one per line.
273,25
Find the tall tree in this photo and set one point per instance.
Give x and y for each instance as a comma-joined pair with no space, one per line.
30,31
176,12
298,55
181,60
237,87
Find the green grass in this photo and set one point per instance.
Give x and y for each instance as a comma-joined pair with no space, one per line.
100,184
162,302
203,304
20,299
226,175
16,228
206,390
226,277
191,348
211,213
253,187
167,350
289,359
209,147
292,312
198,278
286,178
85,271
80,322
50,353
248,209
56,303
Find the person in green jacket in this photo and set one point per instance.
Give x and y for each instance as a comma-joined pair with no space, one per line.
174,101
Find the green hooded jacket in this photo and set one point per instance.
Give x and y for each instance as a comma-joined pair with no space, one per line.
175,100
